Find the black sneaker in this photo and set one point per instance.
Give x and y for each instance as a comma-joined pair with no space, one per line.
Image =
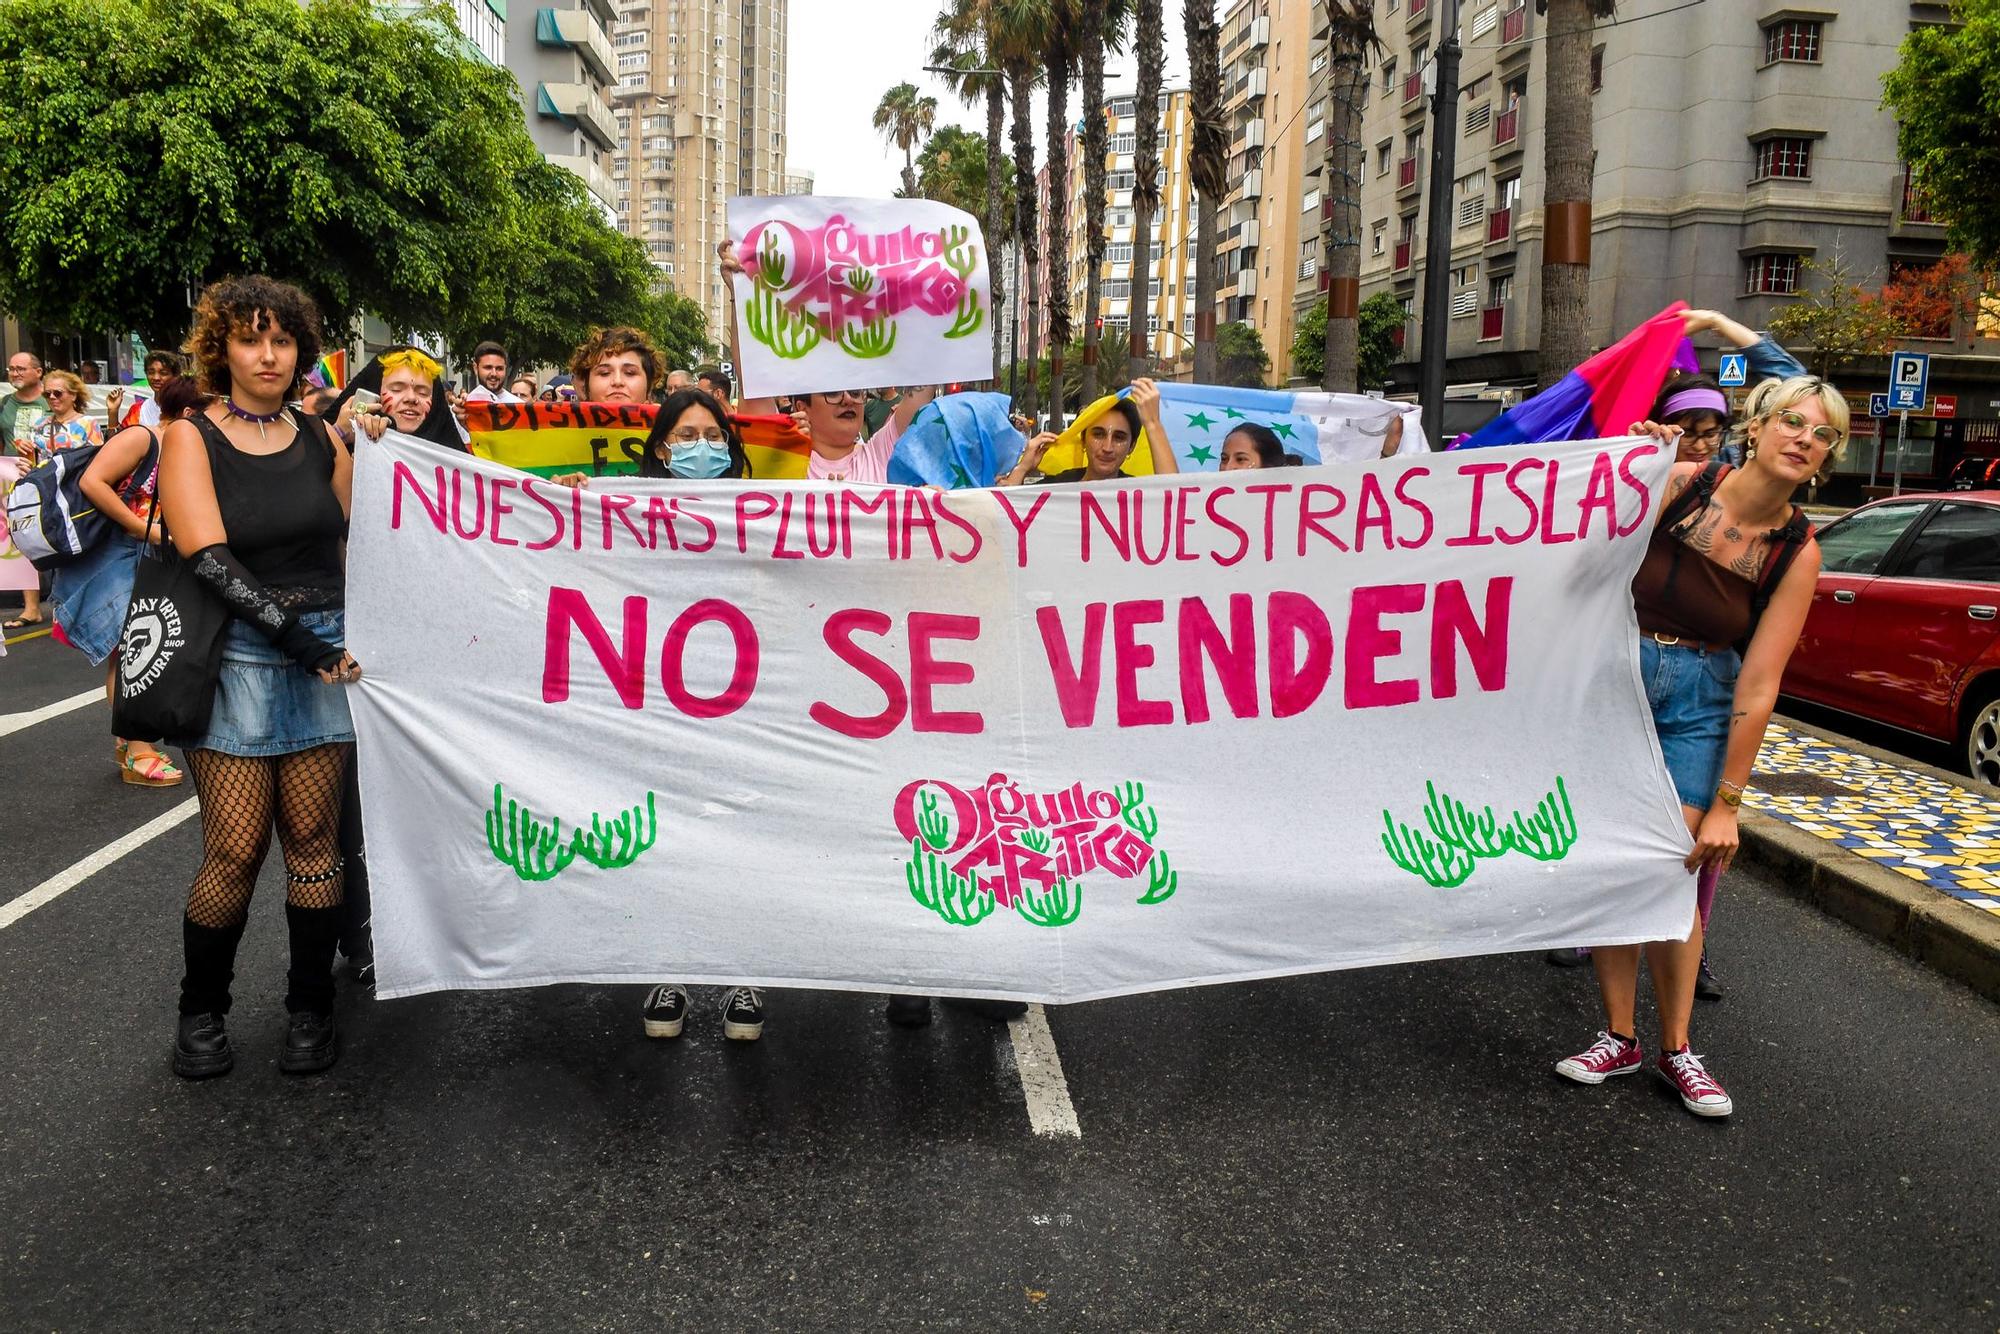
311,1043
666,1010
743,1014
1569,958
999,1011
1705,985
910,1011
201,1047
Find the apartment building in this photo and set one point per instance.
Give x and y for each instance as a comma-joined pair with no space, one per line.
560,53
701,117
1735,139
798,183
1274,83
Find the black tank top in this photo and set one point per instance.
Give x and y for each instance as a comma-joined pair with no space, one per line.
281,516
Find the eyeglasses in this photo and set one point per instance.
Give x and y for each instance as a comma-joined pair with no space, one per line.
20,370
843,396
55,393
1712,436
1824,435
689,436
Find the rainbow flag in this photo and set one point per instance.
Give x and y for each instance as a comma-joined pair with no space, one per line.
608,439
1600,398
330,372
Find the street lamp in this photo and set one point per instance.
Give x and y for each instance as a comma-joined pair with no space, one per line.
1437,246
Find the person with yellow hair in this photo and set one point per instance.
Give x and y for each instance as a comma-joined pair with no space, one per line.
407,378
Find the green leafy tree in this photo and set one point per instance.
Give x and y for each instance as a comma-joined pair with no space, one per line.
1945,91
1839,321
952,170
1240,358
967,45
1374,348
150,145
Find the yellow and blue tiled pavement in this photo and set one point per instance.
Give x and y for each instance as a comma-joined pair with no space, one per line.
1934,832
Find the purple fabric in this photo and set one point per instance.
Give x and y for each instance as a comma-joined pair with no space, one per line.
1696,400
1685,358
1704,894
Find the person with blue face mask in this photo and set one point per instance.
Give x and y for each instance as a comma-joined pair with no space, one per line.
693,439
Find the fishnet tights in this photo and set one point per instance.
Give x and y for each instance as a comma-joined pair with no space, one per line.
242,798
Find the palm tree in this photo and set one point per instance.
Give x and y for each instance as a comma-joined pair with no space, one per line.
905,118
1151,42
1566,163
1106,19
965,44
1351,39
1058,54
1018,30
1208,160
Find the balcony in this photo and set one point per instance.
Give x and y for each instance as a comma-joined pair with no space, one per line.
1499,225
1413,87
1507,128
1253,183
579,30
1257,82
1260,32
1514,24
1250,234
1246,283
1402,263
1253,134
595,180
582,106
1913,207
1492,323
1406,174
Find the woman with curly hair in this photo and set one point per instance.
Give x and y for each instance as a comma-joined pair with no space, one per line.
256,499
617,365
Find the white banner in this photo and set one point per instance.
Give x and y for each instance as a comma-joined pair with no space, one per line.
859,294
1051,743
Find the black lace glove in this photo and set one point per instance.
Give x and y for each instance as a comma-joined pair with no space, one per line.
215,566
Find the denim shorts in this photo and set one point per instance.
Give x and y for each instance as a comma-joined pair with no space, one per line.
266,704
1691,692
91,594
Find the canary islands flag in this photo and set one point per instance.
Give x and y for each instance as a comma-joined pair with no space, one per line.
1312,427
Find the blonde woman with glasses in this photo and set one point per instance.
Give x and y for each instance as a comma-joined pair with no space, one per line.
1721,597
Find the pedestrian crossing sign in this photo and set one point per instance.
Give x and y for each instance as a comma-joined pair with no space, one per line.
1735,370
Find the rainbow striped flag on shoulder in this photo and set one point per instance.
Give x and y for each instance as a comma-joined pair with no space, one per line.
607,439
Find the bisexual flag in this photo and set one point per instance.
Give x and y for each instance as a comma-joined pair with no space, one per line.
1600,398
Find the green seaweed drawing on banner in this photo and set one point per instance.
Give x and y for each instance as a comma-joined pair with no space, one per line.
953,897
1058,907
876,338
535,849
1460,838
789,333
963,259
1161,878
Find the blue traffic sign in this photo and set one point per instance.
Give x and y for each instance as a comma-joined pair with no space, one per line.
1878,405
1735,371
1909,381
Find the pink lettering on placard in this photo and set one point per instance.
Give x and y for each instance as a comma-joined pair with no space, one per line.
743,671
1369,641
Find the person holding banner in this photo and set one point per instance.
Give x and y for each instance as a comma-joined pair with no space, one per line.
1108,442
408,380
256,498
617,365
1254,447
91,593
522,387
1721,598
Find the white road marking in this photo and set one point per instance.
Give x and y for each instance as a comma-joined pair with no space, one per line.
64,881
1041,1072
11,723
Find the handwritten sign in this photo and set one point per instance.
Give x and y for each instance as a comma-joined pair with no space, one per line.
1053,743
858,294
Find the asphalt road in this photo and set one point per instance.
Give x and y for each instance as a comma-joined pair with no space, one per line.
1382,1149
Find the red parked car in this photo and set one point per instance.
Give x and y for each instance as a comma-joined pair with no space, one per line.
1905,624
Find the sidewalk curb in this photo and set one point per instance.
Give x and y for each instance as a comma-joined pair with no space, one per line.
1955,939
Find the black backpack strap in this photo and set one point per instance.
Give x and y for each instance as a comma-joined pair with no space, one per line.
1786,544
1694,498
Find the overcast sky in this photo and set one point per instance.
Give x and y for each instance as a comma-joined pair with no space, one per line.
842,62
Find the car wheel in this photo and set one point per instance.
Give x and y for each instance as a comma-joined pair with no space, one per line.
1980,745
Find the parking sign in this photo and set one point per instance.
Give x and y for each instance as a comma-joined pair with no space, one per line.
1735,372
1909,381
1878,405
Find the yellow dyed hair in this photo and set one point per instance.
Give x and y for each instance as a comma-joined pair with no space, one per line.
409,359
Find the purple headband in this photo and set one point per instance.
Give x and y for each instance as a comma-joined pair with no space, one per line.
1696,400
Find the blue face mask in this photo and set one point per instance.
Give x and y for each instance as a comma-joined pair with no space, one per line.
699,460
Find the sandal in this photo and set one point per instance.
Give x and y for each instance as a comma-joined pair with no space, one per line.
154,770
22,622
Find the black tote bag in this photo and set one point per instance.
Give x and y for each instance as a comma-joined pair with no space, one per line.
171,650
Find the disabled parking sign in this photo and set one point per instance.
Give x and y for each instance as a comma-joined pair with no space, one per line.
1909,381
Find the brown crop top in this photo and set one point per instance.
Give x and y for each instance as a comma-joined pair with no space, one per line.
1679,592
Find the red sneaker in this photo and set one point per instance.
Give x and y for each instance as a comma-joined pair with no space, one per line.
1699,1092
1604,1058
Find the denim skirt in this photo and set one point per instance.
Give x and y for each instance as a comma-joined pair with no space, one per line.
90,595
266,704
1691,692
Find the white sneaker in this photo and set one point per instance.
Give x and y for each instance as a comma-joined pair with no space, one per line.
666,1010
